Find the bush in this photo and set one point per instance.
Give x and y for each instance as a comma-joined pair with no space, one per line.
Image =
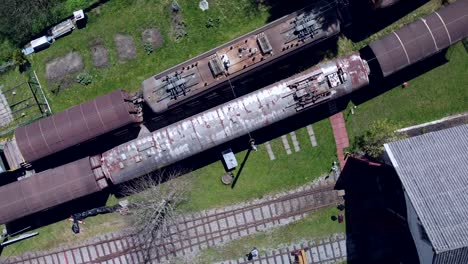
212,22
84,78
6,51
379,133
148,48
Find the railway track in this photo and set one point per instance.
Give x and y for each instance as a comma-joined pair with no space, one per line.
329,250
194,232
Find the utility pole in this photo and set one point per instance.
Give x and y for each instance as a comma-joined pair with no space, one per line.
252,147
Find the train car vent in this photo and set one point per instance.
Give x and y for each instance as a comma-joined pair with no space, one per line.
264,43
216,67
306,26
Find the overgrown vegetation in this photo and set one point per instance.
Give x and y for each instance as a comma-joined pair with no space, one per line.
22,20
315,226
378,133
84,78
148,48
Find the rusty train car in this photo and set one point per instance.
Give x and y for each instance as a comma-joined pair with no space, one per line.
71,127
177,85
242,56
315,86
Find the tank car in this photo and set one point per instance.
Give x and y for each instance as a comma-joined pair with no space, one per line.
203,131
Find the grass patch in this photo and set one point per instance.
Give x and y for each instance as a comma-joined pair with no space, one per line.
235,18
436,94
57,234
316,225
19,90
262,175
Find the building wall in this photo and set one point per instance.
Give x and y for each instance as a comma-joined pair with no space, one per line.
423,245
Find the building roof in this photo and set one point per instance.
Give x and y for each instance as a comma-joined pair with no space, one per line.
433,169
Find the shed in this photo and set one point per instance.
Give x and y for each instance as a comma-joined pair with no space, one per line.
433,169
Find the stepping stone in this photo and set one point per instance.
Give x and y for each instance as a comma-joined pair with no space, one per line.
286,144
313,140
270,151
294,141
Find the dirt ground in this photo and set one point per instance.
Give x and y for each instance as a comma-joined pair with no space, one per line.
60,67
152,36
100,56
125,47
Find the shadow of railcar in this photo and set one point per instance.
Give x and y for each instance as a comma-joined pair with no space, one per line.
305,118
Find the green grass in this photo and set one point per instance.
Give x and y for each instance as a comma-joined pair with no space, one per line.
236,18
261,175
20,99
60,233
315,226
436,94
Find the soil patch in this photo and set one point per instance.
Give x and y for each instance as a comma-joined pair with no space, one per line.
100,56
152,36
60,67
125,47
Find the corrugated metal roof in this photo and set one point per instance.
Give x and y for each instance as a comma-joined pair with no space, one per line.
434,171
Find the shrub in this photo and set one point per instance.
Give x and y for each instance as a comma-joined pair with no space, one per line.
212,22
6,50
19,59
148,48
84,78
379,133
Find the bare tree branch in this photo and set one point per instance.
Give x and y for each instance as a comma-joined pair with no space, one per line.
153,208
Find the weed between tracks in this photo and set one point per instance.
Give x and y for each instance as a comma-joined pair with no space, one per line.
315,226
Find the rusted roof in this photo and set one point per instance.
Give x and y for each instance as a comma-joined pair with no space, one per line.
422,38
75,125
46,189
236,118
241,56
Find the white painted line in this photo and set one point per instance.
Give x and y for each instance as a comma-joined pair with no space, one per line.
445,26
429,29
403,46
311,132
294,141
286,144
270,151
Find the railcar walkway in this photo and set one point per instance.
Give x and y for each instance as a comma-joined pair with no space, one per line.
341,136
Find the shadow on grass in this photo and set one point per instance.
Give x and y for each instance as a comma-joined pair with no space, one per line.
363,18
59,213
367,21
376,229
305,118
